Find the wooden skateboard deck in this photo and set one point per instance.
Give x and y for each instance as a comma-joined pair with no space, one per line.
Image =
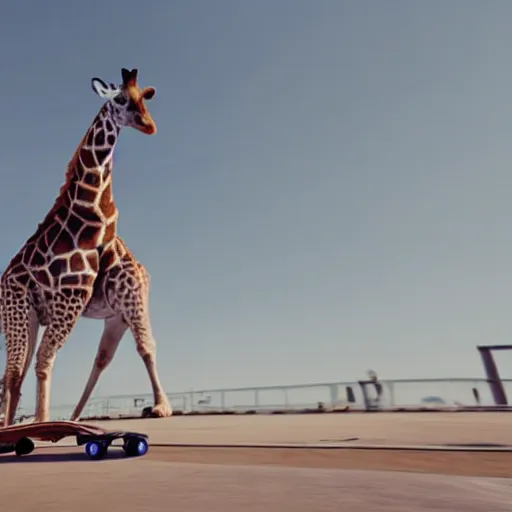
96,439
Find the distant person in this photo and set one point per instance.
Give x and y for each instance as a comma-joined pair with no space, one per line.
372,377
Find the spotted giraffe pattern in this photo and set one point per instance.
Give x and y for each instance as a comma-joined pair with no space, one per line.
76,265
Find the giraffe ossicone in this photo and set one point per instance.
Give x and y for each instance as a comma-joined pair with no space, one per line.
75,264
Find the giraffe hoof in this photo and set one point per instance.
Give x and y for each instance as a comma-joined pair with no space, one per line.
161,411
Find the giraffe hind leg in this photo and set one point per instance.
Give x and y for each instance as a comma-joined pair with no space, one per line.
114,329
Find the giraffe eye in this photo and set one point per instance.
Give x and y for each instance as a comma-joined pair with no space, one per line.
120,99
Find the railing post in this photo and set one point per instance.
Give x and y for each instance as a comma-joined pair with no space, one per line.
391,392
334,392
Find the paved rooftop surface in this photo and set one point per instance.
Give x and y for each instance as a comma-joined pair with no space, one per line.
196,479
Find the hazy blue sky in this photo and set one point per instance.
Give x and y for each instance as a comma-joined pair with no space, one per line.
329,189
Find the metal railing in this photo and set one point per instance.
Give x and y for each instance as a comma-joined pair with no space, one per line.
395,393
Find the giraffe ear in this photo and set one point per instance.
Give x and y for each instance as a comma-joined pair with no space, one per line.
104,90
148,93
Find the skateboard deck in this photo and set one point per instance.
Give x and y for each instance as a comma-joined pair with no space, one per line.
97,440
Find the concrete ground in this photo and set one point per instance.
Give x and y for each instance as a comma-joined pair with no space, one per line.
277,479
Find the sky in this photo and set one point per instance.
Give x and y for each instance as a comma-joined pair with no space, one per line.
329,189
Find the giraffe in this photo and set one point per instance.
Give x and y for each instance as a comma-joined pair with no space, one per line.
76,265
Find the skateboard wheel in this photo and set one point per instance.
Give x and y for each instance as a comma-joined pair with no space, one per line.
135,447
24,446
96,450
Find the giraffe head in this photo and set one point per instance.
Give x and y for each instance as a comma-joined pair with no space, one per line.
127,101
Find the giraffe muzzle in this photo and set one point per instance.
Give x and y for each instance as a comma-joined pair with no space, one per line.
146,125
149,129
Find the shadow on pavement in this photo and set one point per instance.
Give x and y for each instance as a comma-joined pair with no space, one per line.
40,456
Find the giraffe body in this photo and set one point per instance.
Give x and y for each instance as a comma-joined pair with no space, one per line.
76,265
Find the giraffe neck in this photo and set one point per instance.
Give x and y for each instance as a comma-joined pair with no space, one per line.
91,165
87,191
67,246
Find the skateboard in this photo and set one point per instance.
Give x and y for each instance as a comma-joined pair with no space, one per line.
19,438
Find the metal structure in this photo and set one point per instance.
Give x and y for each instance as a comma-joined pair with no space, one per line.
492,373
371,403
396,394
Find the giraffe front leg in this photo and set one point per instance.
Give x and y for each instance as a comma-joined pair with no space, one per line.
68,308
54,338
114,329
